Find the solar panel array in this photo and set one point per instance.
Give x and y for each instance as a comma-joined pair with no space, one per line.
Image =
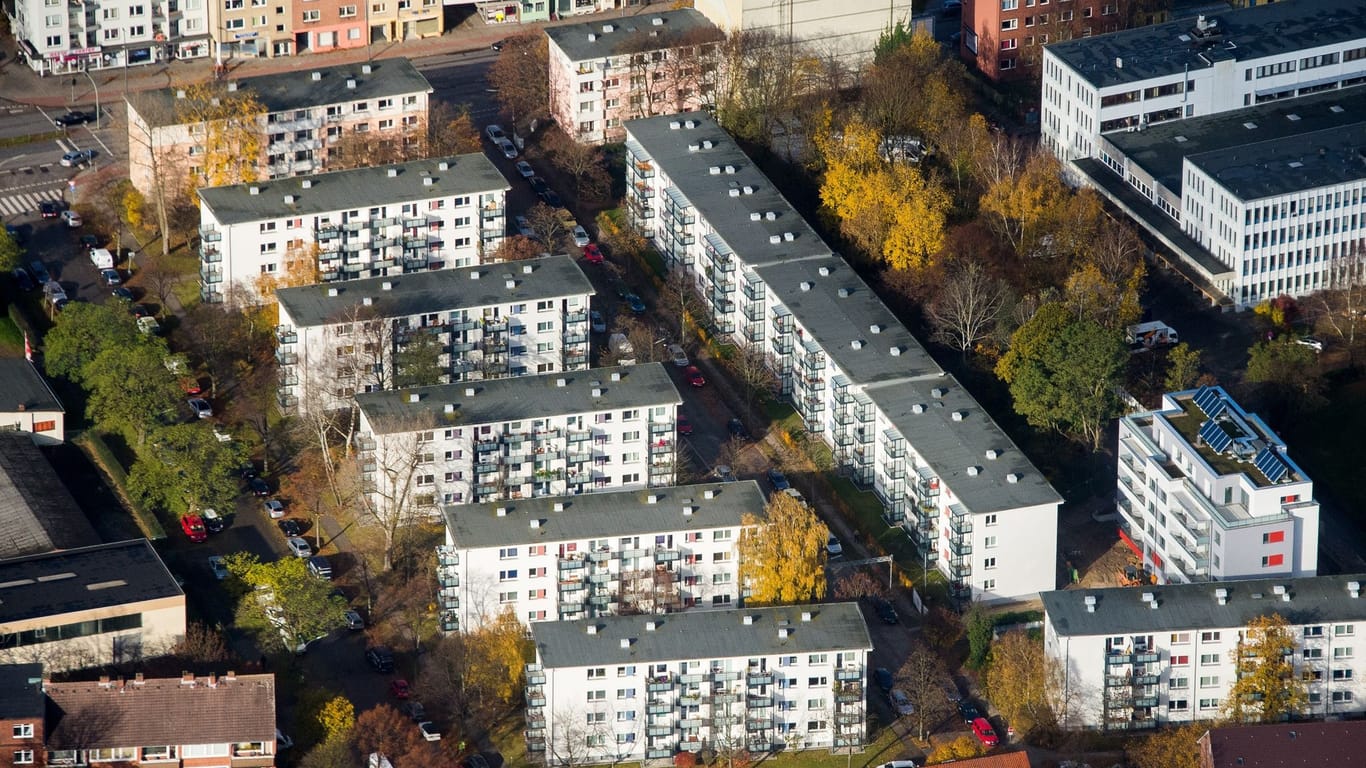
1271,465
1211,401
1215,436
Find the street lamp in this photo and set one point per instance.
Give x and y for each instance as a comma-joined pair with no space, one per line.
96,86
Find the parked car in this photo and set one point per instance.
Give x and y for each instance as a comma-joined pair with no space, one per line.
193,526
968,711
257,486
290,528
984,732
74,117
22,280
538,185
509,151
524,168
498,46
72,219
833,547
190,386
885,611
354,621
77,157
723,473
636,304
414,709
597,322
694,376
39,270
581,238
1311,342
121,294
111,276
146,323
399,688
677,355
495,133
523,227
214,522
684,426
883,676
274,508
320,567
592,254
551,199
381,658
218,566
298,546
200,407
900,702
49,210
778,480
900,764
429,731
737,429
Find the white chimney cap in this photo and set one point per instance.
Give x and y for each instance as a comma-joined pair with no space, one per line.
650,626
625,642
592,629
501,511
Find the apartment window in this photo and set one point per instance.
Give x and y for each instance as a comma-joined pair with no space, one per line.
626,693
536,551
989,519
988,584
507,597
720,600
23,757
1273,537
1342,697
1178,705
722,535
1209,681
1010,44
508,575
1180,661
1209,637
1269,561
1315,631
1010,5
1180,682
1342,674
586,126
507,553
1207,659
990,542
600,695
1313,653
597,672
989,563
1180,638
23,731
817,681
1209,703
1009,24
347,11
1344,630
311,16
1343,653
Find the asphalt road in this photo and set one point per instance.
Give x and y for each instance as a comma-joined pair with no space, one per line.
461,78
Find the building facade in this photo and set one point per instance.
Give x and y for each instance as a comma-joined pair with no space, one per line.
383,221
245,29
1004,39
335,341
635,688
1207,492
32,406
76,608
1138,657
310,117
897,423
519,437
848,31
603,73
561,558
23,710
59,38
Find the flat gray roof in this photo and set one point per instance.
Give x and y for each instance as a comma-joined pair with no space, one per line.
1171,48
37,513
85,579
1119,610
1267,137
953,448
356,188
442,290
518,398
21,691
296,88
22,385
605,513
701,634
669,143
838,322
649,31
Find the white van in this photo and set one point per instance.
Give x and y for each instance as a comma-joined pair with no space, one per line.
102,258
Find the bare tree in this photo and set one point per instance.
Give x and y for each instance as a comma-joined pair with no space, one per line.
521,74
549,226
404,489
680,295
969,306
750,367
159,166
921,678
1341,305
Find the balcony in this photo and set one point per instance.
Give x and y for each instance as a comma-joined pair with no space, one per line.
210,234
847,674
285,334
759,702
571,565
211,275
209,254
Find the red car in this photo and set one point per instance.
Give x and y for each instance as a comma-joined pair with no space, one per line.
190,386
193,526
399,688
592,254
982,730
684,426
694,376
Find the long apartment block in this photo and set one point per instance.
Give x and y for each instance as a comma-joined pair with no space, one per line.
381,221
505,439
1207,491
490,321
1139,657
634,688
551,558
56,38
897,423
308,113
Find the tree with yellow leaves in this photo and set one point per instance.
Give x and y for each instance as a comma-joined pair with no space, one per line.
782,557
229,127
1266,689
1017,677
1021,206
918,220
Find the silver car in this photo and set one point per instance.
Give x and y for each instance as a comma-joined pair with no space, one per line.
509,151
298,547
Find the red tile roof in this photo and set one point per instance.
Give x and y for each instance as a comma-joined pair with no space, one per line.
164,711
1298,745
997,760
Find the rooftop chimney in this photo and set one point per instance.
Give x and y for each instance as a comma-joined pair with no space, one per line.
317,76
1090,601
806,616
559,506
652,499
625,642
748,619
365,69
351,84
591,629
709,494
501,512
650,626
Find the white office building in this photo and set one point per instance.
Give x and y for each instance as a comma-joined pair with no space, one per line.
550,558
848,31
634,688
490,321
897,423
367,222
1208,492
552,434
69,38
1139,657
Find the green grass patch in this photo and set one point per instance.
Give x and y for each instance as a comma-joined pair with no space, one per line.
11,338
103,456
186,292
884,747
507,738
866,513
16,141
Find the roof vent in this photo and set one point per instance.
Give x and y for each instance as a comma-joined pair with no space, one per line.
747,189
652,499
365,69
789,236
918,408
650,626
592,37
180,94
597,392
289,199
444,165
1278,589
674,125
1221,596
938,392
894,351
427,181
535,522
959,415
734,192
856,344
393,173
474,274
448,408
591,629
1013,478
1147,597
804,285
687,510
386,286
693,146
730,169
510,284
775,239
559,506
317,76
559,382
469,391
974,471
367,301
806,616
616,376
715,170
875,328
1354,588
748,619
331,291
414,397
783,633
755,216
625,642
253,190
993,454
690,124
306,183
351,83
771,215
710,493
607,29
1119,63
708,143
501,511
1090,601
527,269
843,293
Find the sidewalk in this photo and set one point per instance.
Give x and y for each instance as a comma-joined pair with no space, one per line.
20,84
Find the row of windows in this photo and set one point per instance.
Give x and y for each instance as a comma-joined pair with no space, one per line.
70,631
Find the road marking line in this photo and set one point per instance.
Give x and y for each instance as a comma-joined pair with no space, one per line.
62,143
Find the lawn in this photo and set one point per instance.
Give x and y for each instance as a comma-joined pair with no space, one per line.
11,338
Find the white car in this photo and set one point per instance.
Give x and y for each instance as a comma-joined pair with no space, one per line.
524,168
200,407
495,133
149,325
833,547
1311,342
429,731
596,322
219,568
71,218
221,435
509,151
298,547
581,237
678,356
275,509
523,227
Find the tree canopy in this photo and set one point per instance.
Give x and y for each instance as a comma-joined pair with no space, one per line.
11,253
782,557
285,600
130,387
187,470
1266,689
83,330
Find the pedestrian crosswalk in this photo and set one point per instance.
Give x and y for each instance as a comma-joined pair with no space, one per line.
27,202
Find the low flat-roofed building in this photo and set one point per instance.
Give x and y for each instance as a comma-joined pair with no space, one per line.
104,604
28,404
37,512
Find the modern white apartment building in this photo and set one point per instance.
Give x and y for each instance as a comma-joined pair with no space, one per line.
1207,492
602,73
490,321
900,425
1194,67
309,115
1256,202
849,30
55,37
1137,657
374,222
657,551
504,439
635,688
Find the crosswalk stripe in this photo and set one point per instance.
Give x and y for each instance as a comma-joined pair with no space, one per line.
27,202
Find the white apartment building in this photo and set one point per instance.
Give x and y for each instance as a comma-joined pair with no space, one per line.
56,37
903,428
552,558
848,30
495,320
602,73
1207,492
382,221
504,439
635,688
309,113
1194,67
1139,657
